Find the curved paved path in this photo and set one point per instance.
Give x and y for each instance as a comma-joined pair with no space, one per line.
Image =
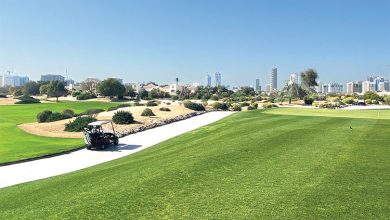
44,168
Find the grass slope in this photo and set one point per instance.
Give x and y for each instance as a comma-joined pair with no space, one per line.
250,165
15,144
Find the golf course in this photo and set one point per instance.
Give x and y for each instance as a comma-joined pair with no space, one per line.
263,164
15,144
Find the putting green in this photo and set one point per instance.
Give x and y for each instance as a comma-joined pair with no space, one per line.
15,144
256,165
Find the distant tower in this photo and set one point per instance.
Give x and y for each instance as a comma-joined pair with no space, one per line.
218,79
177,81
274,79
258,87
208,80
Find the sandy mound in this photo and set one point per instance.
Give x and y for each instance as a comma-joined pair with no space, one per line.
8,101
56,129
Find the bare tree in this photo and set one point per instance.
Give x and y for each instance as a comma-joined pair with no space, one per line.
90,85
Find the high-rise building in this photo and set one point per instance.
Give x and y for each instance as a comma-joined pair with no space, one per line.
368,86
319,87
274,79
384,86
258,87
51,77
332,88
13,80
354,87
268,88
208,80
218,79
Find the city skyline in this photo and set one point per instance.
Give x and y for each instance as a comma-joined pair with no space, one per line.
158,41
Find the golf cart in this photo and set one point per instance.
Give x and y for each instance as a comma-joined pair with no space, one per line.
95,137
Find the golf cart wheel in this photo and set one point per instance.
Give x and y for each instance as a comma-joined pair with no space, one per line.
116,141
89,147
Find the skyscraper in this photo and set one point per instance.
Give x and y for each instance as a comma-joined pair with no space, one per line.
274,79
258,87
208,80
218,79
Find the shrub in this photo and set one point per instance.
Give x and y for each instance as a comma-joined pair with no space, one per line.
27,100
43,116
375,102
214,98
269,105
251,108
122,117
76,93
151,103
92,111
194,106
3,96
219,106
349,100
244,104
255,105
85,96
79,124
68,112
112,108
168,103
368,101
56,116
123,105
308,100
387,100
235,107
165,109
147,112
205,104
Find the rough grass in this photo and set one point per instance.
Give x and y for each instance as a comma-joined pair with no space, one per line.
250,165
16,144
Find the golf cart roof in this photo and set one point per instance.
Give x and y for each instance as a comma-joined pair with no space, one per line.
96,123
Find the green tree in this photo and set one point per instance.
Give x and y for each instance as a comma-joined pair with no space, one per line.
293,91
56,89
111,87
371,95
309,78
31,88
130,91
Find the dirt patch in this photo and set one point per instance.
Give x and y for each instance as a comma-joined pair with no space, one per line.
8,101
56,129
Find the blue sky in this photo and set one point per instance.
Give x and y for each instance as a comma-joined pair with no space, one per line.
159,40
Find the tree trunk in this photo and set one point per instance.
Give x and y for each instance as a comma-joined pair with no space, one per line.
289,101
57,99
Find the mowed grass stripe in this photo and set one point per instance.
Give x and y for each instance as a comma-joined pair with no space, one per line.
271,166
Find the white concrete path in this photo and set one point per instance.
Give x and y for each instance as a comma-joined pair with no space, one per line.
44,168
367,107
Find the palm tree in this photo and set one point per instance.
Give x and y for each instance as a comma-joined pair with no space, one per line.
292,90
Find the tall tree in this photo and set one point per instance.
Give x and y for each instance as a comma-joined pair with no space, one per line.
31,88
56,89
90,85
309,78
111,87
292,91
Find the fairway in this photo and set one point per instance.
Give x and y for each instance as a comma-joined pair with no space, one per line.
255,164
15,144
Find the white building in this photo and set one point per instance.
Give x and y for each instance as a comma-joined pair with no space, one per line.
319,88
332,88
274,79
384,86
368,86
13,80
354,87
268,88
258,87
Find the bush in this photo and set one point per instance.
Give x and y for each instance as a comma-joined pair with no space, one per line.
255,105
194,106
214,98
308,100
124,105
165,109
27,100
244,104
57,116
147,112
251,108
219,106
85,96
235,107
79,124
92,111
151,104
112,108
76,93
43,116
168,103
368,101
387,100
68,112
269,105
3,96
349,100
122,117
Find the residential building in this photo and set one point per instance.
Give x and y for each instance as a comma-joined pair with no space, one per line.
258,87
268,88
274,79
13,80
319,88
52,77
354,87
332,88
218,79
384,86
208,80
368,86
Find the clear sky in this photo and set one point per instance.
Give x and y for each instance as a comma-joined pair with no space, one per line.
159,40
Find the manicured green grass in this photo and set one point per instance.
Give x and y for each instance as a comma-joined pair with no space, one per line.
15,144
252,165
